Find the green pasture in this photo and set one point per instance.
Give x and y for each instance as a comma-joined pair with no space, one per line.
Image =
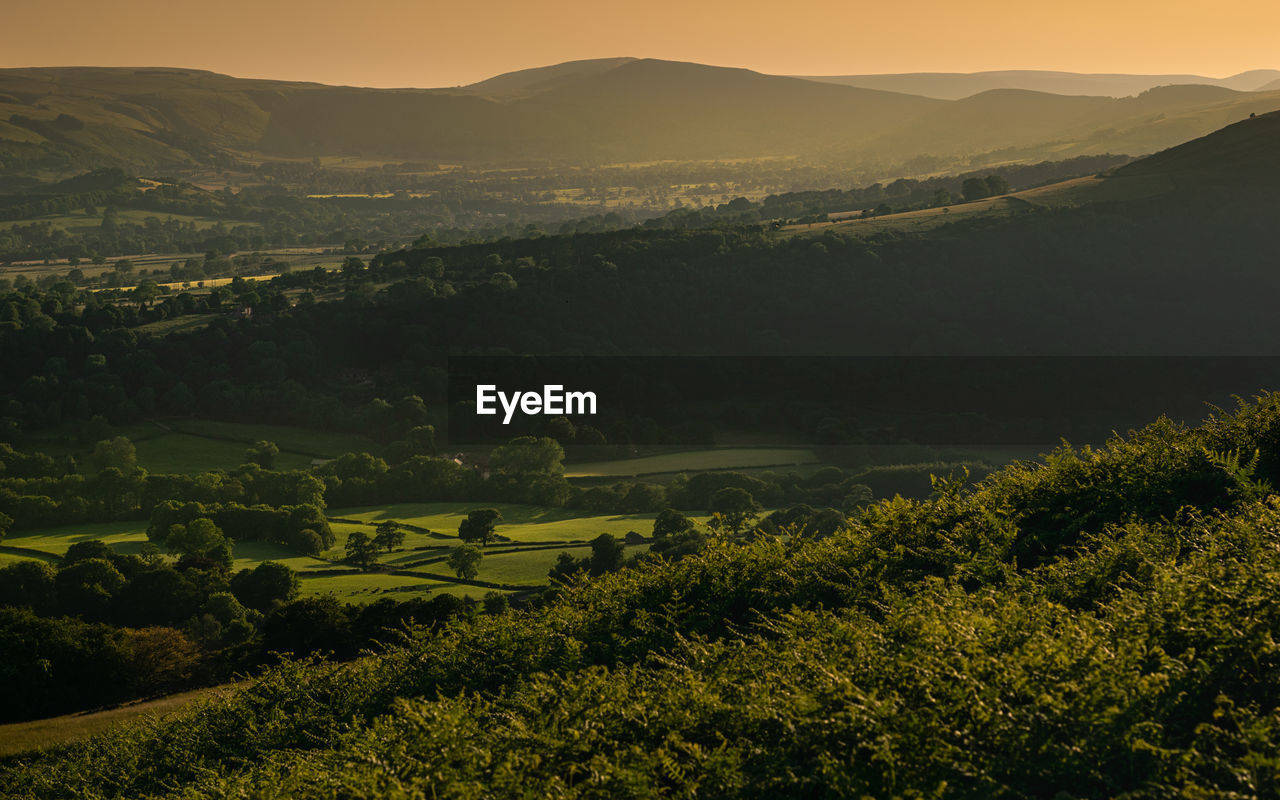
124,537
182,453
362,587
520,523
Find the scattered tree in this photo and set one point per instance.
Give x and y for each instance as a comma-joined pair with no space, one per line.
465,561
479,526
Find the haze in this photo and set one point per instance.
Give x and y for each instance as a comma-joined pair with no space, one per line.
405,43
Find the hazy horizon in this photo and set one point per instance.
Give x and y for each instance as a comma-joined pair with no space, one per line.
395,43
482,78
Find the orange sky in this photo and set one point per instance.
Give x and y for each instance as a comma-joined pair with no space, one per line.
428,43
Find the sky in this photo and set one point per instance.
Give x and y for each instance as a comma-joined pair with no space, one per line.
433,44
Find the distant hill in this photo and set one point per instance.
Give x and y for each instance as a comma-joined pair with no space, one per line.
957,85
1028,124
56,122
525,82
1273,86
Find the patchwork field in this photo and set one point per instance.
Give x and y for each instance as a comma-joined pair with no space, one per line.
533,538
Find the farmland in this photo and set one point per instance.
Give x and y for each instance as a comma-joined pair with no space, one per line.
530,540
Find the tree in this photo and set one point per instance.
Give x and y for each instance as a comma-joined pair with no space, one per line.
200,538
6,522
996,185
28,583
465,561
90,548
88,588
565,568
262,453
361,550
734,509
266,586
388,535
606,554
496,603
975,189
528,455
146,292
479,526
118,452
670,522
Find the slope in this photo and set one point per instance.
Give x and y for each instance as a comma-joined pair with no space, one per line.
1102,622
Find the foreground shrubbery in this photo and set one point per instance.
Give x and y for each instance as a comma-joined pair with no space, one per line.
1101,626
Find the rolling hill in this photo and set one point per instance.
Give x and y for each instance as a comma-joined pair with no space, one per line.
958,85
67,120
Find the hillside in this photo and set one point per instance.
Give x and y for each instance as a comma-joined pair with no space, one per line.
1104,622
1023,122
1244,154
60,121
957,85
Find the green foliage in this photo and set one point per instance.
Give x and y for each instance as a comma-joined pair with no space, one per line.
479,526
361,551
118,453
200,538
262,453
1104,622
388,535
465,561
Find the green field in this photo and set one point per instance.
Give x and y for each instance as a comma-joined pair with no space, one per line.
79,222
520,523
534,533
124,537
191,446
181,453
694,461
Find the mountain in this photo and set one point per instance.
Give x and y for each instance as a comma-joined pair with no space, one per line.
958,85
621,109
1273,86
60,121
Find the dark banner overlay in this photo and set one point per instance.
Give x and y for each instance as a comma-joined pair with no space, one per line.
838,401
